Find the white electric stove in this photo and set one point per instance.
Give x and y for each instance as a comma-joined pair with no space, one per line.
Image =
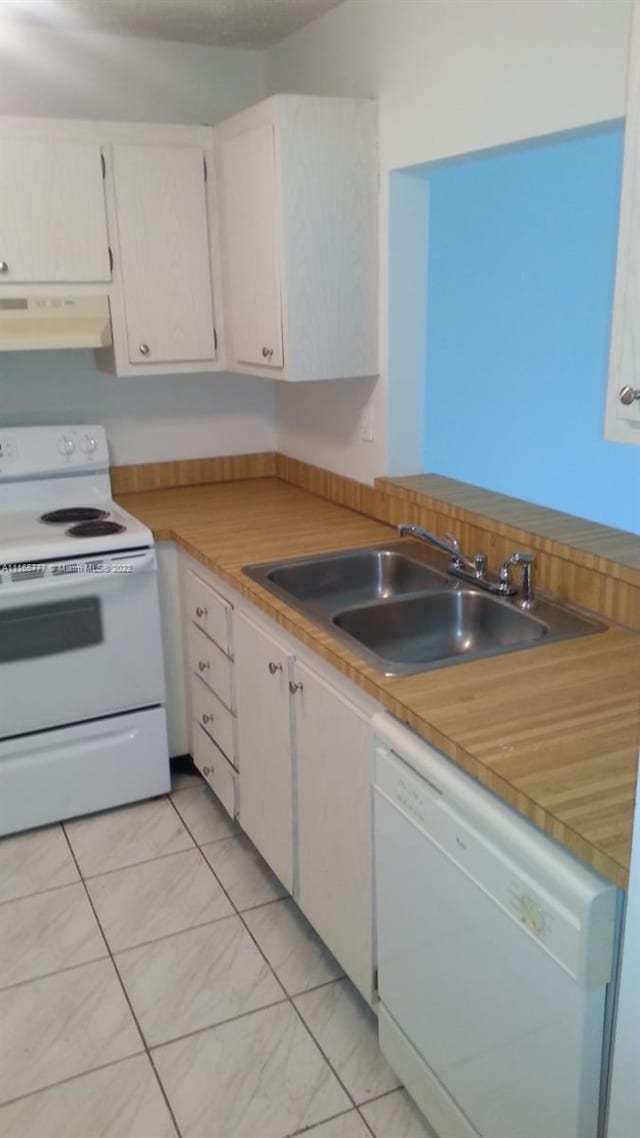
82,722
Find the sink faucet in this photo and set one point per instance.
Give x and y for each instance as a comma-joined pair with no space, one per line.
452,547
475,571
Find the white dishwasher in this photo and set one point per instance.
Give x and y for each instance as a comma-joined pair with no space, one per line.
495,949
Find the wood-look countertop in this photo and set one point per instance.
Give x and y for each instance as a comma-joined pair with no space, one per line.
553,730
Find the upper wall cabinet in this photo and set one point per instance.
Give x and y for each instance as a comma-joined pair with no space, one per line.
53,227
162,306
623,396
298,222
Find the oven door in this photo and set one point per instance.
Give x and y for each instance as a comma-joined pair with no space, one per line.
79,639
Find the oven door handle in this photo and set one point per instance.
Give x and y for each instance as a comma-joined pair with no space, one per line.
117,569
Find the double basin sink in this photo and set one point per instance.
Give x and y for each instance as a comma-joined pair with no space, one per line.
397,606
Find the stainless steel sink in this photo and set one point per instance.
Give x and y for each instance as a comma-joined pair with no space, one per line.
440,626
397,607
340,580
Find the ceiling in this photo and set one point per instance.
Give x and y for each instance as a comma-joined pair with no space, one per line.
228,23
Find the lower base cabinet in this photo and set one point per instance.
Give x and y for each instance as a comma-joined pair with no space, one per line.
262,671
302,793
333,742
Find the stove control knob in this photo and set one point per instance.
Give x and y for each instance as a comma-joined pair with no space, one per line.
66,446
87,444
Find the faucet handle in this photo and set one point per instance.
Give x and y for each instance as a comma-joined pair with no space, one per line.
526,562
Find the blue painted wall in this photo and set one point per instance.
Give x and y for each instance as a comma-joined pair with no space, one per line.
521,259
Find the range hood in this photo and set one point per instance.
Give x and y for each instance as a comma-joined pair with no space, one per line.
35,323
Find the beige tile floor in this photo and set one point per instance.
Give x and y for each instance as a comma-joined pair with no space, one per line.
156,981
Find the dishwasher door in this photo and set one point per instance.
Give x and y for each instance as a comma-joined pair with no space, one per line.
494,951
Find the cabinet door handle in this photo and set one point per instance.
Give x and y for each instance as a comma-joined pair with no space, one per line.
629,395
4,268
207,718
144,350
207,770
294,687
201,612
273,667
203,665
267,353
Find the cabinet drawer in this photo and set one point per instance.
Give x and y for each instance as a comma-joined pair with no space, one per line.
207,661
214,717
209,611
218,772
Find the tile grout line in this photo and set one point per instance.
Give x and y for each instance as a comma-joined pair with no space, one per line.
288,998
124,991
40,892
169,936
56,972
70,1078
309,1130
133,864
211,1026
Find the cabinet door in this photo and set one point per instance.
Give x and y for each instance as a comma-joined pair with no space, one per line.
253,302
163,234
623,396
264,745
53,225
334,758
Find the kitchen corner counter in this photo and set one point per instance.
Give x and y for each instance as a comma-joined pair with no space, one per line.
553,730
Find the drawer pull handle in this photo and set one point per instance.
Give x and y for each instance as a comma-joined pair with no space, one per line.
203,665
207,718
201,612
273,667
294,687
207,770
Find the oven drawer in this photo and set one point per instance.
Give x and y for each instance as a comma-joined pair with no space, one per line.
208,662
59,774
209,611
218,772
214,717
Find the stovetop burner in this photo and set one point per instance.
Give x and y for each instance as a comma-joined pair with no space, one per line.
95,529
73,514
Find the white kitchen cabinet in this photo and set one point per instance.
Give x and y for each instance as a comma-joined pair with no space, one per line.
305,790
53,227
163,308
263,671
302,742
333,780
210,682
298,210
623,394
253,271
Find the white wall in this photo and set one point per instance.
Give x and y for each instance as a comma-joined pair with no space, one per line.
451,76
109,77
151,418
